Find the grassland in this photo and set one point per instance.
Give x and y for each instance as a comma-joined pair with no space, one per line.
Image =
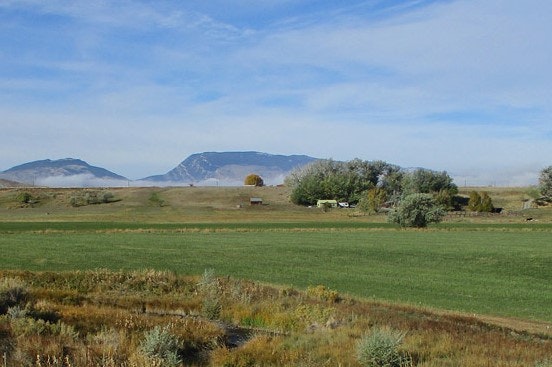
497,269
482,271
102,318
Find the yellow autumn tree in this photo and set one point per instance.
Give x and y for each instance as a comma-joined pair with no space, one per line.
253,180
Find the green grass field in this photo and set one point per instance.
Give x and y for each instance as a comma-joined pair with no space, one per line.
476,268
499,265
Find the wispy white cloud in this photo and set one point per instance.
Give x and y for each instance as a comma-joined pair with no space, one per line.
458,85
483,53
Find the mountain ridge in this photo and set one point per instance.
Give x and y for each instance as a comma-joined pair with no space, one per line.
231,166
207,168
74,172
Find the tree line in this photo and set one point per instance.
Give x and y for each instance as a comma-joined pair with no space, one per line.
412,197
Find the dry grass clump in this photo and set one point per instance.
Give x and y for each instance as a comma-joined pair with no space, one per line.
323,293
151,318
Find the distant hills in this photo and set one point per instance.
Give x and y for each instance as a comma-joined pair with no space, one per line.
62,172
209,168
9,183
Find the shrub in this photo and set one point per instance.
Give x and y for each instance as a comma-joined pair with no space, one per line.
380,347
156,200
92,198
326,207
27,326
475,201
545,182
209,287
106,197
208,280
12,293
160,345
211,307
309,314
16,312
445,198
323,293
486,203
417,210
480,202
25,198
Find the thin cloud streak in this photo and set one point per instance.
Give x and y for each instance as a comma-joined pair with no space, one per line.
457,85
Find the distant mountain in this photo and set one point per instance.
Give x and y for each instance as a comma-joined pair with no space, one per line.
231,168
210,168
9,183
62,173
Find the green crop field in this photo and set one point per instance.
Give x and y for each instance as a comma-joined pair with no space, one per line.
474,290
486,269
498,265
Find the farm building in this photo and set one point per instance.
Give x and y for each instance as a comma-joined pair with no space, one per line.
330,203
255,201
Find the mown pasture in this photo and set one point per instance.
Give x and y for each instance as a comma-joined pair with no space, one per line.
496,265
483,269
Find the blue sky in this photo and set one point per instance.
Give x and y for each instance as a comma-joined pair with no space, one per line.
137,86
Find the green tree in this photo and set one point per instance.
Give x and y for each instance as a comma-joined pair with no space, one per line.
342,181
313,182
445,198
474,202
480,202
417,210
392,184
253,180
486,203
427,181
373,200
545,182
366,175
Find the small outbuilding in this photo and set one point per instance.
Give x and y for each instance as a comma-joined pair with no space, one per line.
255,201
330,203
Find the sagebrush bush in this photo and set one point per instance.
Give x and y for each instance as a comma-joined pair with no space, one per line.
27,326
208,281
24,198
417,210
92,198
211,308
545,363
160,345
12,293
209,287
380,348
17,312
